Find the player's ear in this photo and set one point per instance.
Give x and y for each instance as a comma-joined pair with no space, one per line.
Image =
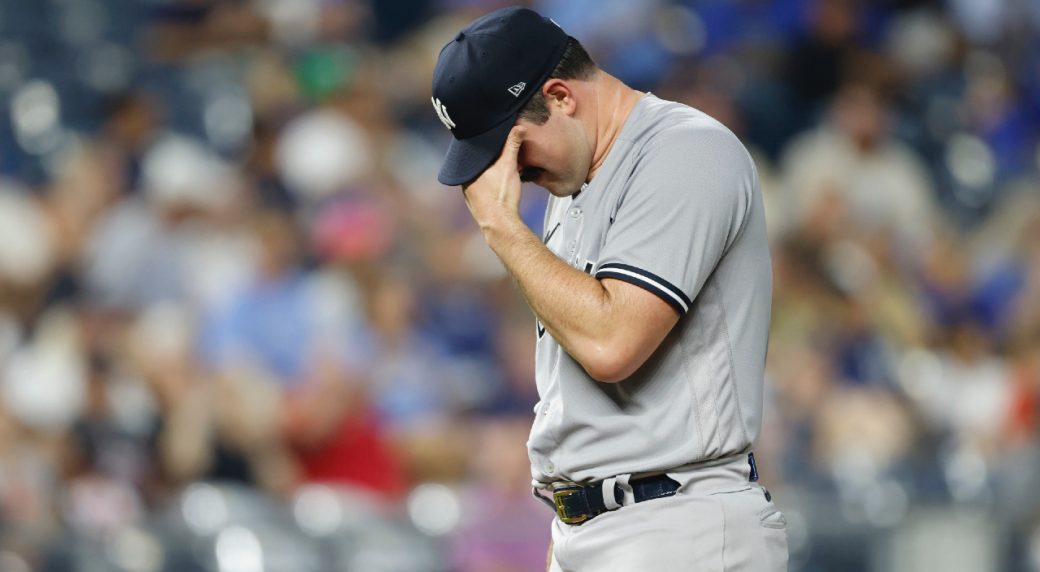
558,94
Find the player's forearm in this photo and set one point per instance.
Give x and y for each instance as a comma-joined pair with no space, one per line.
583,315
575,308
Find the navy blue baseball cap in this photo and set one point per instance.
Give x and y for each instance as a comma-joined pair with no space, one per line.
484,77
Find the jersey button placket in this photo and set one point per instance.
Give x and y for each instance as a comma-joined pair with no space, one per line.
575,214
550,467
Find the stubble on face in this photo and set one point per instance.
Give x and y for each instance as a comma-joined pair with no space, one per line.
557,159
531,174
555,185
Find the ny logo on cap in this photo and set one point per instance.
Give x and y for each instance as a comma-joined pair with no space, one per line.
442,113
517,89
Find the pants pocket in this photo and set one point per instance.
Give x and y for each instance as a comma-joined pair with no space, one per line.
771,517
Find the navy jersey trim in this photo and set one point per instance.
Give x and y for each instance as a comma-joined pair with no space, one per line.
664,289
551,233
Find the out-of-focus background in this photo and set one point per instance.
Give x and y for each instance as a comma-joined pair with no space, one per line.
243,328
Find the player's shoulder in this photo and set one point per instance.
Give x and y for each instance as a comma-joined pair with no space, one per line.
669,129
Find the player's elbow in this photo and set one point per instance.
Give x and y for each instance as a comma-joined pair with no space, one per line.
607,364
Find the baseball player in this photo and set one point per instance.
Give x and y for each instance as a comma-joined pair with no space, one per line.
651,287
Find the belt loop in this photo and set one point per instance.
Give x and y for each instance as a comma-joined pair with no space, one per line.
629,494
609,498
539,496
753,477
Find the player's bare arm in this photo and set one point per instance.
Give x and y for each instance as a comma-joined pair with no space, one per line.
610,327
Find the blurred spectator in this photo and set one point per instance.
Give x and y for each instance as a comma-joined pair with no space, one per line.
858,174
501,530
131,127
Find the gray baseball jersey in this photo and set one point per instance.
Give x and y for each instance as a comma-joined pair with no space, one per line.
676,209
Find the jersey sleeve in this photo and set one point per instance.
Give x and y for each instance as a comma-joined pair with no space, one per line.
686,202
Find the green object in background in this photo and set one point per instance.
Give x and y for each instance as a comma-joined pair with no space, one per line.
322,72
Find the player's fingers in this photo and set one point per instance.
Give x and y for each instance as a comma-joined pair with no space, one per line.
511,150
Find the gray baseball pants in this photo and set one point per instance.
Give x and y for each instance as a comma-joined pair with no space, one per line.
716,522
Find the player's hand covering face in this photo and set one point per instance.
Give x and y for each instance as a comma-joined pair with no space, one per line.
496,192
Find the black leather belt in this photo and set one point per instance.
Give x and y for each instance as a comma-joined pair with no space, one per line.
577,504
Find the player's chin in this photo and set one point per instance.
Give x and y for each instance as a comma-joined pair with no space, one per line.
553,186
561,191
544,182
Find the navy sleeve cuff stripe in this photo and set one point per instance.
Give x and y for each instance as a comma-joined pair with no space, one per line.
652,277
649,281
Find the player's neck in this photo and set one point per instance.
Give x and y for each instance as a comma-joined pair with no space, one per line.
614,101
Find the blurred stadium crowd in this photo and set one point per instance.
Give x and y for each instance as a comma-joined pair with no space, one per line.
242,327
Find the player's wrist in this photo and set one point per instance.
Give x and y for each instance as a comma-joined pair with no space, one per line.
501,226
503,230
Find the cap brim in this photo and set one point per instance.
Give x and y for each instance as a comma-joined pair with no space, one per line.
468,158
